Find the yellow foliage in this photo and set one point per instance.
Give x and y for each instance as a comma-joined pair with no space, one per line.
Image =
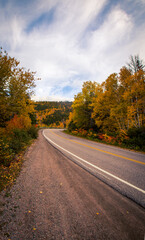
98,123
70,119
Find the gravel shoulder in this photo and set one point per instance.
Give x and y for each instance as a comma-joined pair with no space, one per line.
53,198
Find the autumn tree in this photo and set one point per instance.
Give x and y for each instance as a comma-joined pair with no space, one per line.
16,87
135,93
82,106
104,102
117,106
7,64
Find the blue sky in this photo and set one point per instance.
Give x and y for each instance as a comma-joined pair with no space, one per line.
68,42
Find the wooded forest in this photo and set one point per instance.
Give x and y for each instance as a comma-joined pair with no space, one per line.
52,114
113,111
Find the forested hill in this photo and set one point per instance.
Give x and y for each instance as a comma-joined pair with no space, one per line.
52,114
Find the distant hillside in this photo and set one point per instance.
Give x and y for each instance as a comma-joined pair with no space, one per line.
52,114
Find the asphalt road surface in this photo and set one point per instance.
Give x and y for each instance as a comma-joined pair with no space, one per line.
122,169
55,199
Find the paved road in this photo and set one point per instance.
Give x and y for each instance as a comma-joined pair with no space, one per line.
122,169
55,199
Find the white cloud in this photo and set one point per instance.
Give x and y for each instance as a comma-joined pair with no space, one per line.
66,51
108,40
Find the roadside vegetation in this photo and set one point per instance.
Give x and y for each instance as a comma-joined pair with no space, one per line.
17,116
114,111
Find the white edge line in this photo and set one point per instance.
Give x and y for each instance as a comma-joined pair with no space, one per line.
100,169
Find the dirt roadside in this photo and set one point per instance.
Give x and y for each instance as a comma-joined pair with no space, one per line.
53,198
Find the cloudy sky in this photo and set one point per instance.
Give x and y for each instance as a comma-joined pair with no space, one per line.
68,42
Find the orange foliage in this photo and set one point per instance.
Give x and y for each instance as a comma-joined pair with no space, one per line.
21,122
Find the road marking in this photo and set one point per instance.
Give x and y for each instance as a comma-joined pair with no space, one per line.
100,169
100,150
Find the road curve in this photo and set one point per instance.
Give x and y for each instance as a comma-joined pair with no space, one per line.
123,170
54,198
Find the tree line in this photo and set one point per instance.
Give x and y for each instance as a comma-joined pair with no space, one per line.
115,107
52,114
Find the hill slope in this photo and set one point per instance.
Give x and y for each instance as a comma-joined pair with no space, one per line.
52,114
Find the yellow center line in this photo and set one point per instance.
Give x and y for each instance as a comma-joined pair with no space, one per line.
100,150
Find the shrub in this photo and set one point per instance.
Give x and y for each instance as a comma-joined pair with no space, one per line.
136,138
19,139
18,122
33,132
5,152
71,126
